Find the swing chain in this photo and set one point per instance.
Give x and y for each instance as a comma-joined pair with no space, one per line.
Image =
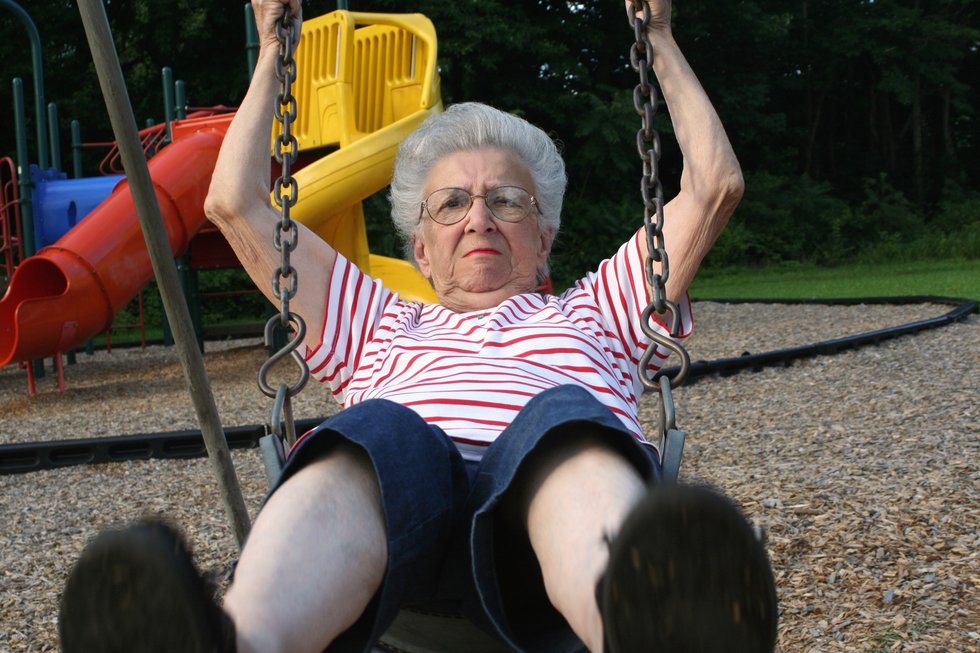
286,151
285,279
645,100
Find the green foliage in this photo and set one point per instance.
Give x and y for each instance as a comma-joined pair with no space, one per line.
381,235
959,208
589,235
249,306
884,214
952,233
202,42
783,219
898,277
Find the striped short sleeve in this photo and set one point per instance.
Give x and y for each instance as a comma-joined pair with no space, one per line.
355,306
620,292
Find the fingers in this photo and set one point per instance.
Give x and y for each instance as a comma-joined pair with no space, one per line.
659,12
268,12
640,8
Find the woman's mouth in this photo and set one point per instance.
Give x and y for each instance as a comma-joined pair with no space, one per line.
482,251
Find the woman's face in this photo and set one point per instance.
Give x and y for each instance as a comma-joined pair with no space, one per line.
480,261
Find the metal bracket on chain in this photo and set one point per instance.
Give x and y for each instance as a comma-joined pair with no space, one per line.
286,280
282,408
658,339
645,100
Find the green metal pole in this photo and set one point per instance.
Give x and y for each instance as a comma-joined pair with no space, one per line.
38,70
24,181
168,100
161,256
251,40
76,149
53,129
342,5
192,293
55,138
23,170
180,89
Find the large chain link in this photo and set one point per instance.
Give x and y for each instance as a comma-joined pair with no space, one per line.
285,279
645,100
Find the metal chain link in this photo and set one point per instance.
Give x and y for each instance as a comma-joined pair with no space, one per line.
285,236
286,149
645,100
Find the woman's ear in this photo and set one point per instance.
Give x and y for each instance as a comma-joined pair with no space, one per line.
547,239
421,256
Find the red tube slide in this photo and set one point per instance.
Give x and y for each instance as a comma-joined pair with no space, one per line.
70,291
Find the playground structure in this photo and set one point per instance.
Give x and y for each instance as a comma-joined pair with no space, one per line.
365,81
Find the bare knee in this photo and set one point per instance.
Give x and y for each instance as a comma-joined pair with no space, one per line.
576,465
329,517
571,496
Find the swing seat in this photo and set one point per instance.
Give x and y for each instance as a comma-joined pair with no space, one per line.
424,632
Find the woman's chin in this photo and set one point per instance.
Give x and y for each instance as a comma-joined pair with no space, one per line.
484,283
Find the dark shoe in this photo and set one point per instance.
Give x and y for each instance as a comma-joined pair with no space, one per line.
136,590
687,574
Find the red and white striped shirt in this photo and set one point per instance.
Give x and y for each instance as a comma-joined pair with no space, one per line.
470,373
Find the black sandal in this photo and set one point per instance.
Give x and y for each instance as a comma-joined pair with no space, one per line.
687,573
136,590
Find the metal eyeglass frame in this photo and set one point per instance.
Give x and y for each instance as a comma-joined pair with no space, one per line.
424,206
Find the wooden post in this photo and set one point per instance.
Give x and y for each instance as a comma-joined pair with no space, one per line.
127,137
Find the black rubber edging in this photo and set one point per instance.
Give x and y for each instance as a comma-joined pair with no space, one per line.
26,457
23,457
784,357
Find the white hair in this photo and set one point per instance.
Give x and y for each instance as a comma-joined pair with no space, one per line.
469,126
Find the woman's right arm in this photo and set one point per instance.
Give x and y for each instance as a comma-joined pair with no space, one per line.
238,201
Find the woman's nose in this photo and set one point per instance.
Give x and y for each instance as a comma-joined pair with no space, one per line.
479,217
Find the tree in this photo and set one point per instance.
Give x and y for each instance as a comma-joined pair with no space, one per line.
148,36
825,101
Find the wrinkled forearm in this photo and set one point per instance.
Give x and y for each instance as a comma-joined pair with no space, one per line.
711,184
239,204
240,184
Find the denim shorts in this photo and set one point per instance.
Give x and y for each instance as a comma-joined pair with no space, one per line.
447,548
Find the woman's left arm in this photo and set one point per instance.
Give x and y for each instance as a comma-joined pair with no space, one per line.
711,182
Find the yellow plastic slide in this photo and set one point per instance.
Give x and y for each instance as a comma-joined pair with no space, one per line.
364,81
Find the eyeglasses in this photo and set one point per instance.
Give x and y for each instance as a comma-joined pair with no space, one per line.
450,205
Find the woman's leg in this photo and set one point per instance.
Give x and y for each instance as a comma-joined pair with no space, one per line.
315,557
684,572
573,495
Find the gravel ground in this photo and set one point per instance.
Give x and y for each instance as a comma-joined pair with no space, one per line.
862,467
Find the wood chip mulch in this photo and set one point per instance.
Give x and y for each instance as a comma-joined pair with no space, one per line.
863,468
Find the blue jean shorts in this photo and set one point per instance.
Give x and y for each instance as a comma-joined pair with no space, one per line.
448,549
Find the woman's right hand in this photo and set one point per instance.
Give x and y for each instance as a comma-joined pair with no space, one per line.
269,12
660,13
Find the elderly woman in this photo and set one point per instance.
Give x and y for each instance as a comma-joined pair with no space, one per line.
489,455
